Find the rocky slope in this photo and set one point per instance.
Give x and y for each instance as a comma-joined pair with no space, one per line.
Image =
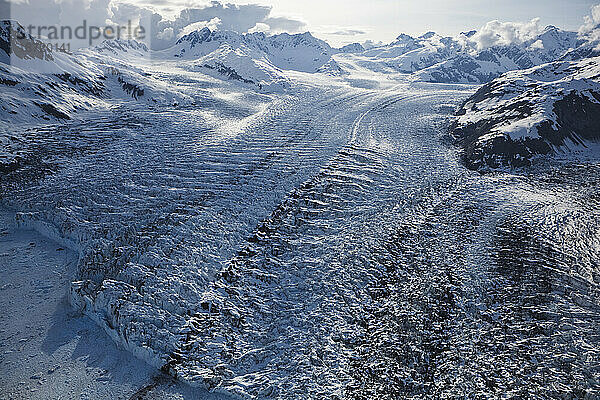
522,114
39,83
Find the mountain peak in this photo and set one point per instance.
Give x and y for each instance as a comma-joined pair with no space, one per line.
352,48
195,37
428,35
299,39
306,34
14,40
10,27
404,37
550,28
300,51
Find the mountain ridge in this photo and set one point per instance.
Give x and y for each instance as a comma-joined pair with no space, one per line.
528,113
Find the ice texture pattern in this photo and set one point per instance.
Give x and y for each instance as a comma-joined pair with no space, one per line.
311,236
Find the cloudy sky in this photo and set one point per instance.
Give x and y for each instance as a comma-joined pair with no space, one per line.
344,21
337,21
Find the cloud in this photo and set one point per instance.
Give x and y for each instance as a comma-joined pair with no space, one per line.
590,30
51,12
284,24
260,27
88,16
232,17
348,32
167,35
496,33
123,12
592,22
157,2
161,32
213,25
537,45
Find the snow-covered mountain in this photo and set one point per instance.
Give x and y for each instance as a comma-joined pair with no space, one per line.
15,42
482,66
242,65
434,58
352,48
554,43
479,66
407,54
39,83
21,50
299,52
525,113
122,47
118,68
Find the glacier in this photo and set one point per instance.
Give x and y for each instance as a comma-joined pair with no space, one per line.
268,217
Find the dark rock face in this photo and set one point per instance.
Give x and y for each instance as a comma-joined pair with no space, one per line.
229,72
135,91
51,110
498,151
15,41
196,37
95,88
578,119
